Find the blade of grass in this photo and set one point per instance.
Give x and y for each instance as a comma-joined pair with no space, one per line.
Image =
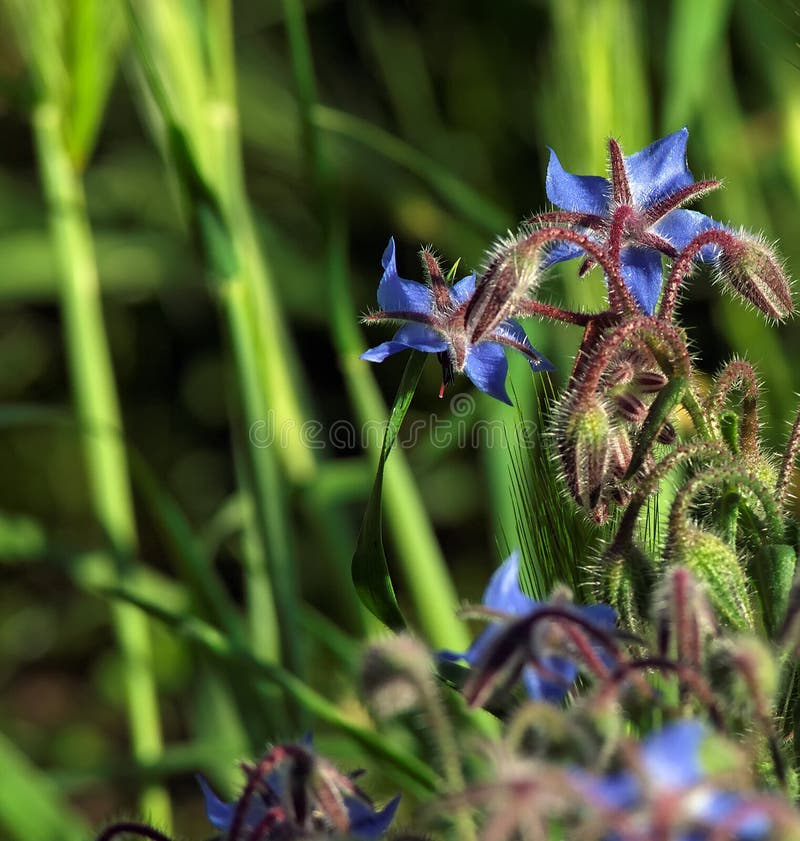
96,401
219,645
30,805
424,568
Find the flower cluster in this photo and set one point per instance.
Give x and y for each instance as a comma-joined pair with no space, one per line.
627,223
292,793
622,731
543,642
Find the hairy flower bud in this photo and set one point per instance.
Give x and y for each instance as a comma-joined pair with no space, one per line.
629,407
583,443
715,562
512,272
395,674
749,266
649,382
666,435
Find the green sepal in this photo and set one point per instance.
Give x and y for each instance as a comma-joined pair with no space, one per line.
715,562
369,568
666,400
775,569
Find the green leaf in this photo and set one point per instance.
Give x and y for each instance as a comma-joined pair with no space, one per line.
775,567
369,568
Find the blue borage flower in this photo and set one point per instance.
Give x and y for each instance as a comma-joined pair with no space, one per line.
640,204
669,771
549,673
333,803
436,322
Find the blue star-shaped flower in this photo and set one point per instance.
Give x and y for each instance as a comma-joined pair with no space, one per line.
436,322
637,211
266,806
554,674
670,768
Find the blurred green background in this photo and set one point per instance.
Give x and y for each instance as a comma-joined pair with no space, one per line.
431,122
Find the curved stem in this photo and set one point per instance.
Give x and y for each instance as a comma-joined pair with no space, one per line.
651,482
682,266
740,479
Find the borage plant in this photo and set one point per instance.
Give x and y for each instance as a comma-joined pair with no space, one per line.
666,708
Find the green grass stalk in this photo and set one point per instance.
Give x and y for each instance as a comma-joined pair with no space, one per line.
97,406
424,569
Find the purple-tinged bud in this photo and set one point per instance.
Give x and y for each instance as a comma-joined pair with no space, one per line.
513,271
715,562
619,374
629,407
649,382
620,451
666,435
750,267
583,443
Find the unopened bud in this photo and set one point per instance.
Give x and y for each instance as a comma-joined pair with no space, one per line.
749,266
619,374
513,271
716,564
630,407
666,435
583,443
395,675
649,382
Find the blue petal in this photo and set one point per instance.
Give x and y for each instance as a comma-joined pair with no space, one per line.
416,336
671,756
582,193
380,352
641,271
365,822
514,330
558,252
395,294
679,227
460,292
420,337
659,170
753,826
503,591
602,615
219,813
540,688
616,791
487,367
474,654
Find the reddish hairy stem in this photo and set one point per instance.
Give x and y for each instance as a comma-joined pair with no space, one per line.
682,266
686,674
739,373
540,238
530,307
